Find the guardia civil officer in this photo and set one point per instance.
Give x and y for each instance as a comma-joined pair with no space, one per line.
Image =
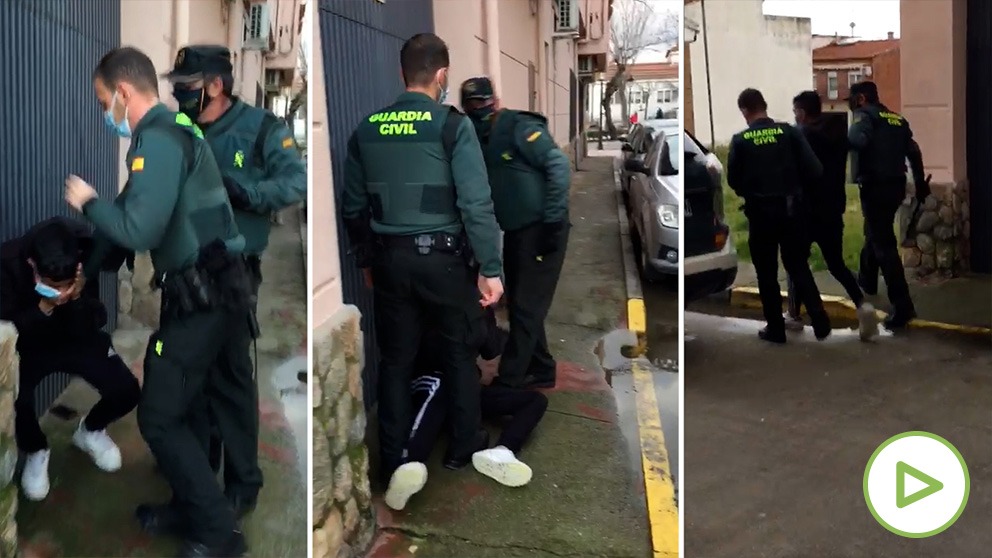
881,141
174,206
768,164
530,179
415,199
263,173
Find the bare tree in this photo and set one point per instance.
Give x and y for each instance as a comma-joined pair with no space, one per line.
636,27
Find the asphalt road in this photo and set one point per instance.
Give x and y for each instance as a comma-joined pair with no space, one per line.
777,438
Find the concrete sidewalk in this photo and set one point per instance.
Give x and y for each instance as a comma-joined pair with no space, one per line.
584,499
962,301
91,513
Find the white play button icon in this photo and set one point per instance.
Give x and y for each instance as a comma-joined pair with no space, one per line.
916,484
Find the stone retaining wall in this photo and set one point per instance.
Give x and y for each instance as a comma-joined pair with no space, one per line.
941,245
8,448
344,521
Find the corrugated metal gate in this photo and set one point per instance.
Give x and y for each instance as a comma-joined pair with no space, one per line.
361,49
979,130
52,125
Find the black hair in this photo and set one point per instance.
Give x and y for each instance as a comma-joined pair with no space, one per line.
421,57
810,102
55,251
751,100
127,65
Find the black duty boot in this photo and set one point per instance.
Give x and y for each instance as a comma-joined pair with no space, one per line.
772,335
459,461
899,320
233,547
821,326
160,519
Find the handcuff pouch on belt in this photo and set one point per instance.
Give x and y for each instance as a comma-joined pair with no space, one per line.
219,279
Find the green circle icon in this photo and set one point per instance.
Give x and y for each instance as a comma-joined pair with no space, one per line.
913,457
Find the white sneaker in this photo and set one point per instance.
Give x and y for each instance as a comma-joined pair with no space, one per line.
867,321
406,481
501,465
100,447
34,478
794,324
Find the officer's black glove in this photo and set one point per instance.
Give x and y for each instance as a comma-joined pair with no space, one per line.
550,238
922,188
237,195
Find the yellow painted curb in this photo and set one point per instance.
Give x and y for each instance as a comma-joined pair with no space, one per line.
841,308
637,318
659,487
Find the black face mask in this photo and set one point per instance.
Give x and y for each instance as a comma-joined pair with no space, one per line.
482,118
191,101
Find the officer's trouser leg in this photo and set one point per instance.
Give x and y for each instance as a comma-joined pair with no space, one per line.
531,292
398,331
178,363
880,217
763,243
793,301
234,401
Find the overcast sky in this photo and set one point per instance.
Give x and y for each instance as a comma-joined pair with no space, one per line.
873,19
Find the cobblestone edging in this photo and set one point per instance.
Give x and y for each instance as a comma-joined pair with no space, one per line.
943,231
8,449
344,522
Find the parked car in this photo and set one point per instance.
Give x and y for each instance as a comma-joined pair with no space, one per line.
653,207
635,147
710,259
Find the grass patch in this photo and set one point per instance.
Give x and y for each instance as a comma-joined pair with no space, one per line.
853,223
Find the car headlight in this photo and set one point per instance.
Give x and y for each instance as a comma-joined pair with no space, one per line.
669,216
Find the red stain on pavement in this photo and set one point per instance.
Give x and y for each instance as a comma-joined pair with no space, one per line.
270,416
384,516
569,377
277,454
390,545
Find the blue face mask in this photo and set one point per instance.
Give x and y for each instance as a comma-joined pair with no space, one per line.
45,291
122,129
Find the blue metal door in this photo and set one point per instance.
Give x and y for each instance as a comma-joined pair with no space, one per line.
361,49
52,125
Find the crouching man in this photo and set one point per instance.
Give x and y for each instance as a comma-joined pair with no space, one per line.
59,321
521,410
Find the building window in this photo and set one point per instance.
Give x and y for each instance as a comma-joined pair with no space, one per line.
854,77
832,91
667,96
635,97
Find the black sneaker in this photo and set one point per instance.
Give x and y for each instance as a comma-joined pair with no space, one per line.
234,547
457,462
159,519
242,505
776,336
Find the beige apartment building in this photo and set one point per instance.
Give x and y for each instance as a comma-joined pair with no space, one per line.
539,54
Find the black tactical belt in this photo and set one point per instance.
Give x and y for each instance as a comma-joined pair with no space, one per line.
425,243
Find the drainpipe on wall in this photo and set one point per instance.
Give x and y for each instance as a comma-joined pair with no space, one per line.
706,63
542,25
493,51
235,28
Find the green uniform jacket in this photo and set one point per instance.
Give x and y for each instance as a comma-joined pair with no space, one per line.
529,175
400,174
275,182
880,140
170,206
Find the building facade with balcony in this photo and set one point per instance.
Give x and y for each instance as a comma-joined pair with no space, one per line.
946,53
532,49
841,63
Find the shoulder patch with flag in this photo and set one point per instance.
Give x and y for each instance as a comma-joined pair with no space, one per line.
287,143
533,137
138,164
